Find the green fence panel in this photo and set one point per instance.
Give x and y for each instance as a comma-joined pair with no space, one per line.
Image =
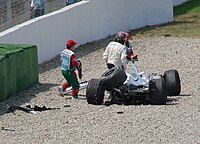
29,67
3,80
3,89
20,65
10,75
32,64
10,72
2,57
18,68
11,62
22,81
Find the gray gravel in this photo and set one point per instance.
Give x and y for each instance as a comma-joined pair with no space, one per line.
177,122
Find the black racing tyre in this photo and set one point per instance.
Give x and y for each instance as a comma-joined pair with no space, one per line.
113,78
173,84
94,92
157,91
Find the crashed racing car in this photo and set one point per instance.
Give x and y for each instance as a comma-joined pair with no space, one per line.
133,88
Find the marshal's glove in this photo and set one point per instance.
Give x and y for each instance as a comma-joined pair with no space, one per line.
79,68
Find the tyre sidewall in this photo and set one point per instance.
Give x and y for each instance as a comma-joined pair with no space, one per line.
157,91
172,79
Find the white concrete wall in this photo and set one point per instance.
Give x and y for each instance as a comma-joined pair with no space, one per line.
87,21
178,2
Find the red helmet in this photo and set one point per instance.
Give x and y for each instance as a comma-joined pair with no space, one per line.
71,43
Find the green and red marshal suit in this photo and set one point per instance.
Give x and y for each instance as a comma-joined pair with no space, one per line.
68,67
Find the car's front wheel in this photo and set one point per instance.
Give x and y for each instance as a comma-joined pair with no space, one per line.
95,92
113,78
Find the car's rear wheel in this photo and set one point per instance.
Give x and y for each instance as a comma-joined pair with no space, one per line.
95,92
173,84
157,91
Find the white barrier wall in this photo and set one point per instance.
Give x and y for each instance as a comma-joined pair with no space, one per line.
87,21
178,2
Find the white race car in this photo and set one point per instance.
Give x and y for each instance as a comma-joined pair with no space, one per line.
133,88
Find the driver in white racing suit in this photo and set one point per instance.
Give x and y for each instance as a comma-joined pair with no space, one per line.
115,52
